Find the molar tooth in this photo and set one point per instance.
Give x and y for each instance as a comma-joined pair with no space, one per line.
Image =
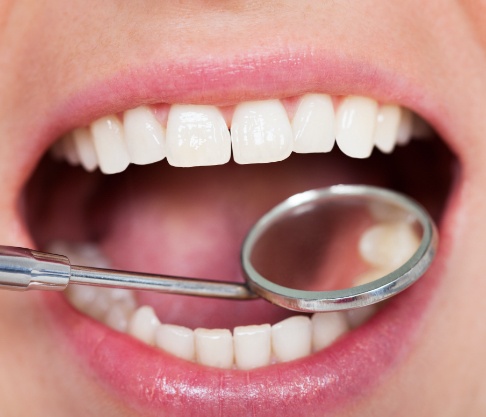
261,132
118,315
355,125
405,127
253,346
313,124
110,146
361,315
292,338
144,136
83,141
387,123
388,245
214,347
326,328
143,323
197,135
177,340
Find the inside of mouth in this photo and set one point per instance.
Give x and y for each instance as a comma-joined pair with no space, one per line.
191,222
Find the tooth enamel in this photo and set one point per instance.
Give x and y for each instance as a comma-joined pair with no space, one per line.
142,325
144,136
253,346
370,276
197,136
355,125
405,128
81,296
360,316
70,152
388,245
177,340
292,338
313,124
214,347
110,146
387,123
326,328
83,141
118,315
261,132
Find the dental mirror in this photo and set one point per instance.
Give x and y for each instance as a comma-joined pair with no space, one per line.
329,249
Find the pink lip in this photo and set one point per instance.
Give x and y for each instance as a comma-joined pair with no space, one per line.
151,381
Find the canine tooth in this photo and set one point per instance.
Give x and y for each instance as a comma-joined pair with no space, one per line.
118,315
326,328
253,346
360,316
405,127
144,136
70,151
83,141
177,340
387,122
261,132
355,125
110,146
388,245
313,124
292,338
214,347
197,135
143,323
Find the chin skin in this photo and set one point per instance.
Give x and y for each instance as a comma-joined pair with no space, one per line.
50,53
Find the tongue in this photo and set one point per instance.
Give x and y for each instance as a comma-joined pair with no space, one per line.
191,222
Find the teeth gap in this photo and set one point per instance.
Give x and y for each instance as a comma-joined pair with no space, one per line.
383,247
253,132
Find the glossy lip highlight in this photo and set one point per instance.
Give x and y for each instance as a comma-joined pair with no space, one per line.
333,378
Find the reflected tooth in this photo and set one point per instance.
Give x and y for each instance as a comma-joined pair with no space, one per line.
70,151
361,315
387,123
292,338
83,141
370,276
214,347
261,132
355,126
110,146
118,315
313,124
197,135
388,245
405,128
143,323
326,328
253,346
177,340
144,136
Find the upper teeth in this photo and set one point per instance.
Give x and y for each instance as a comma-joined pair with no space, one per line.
261,131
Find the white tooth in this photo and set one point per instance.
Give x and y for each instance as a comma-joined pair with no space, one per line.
261,132
326,328
85,253
388,245
81,296
110,146
313,124
70,151
405,128
143,323
292,338
253,346
83,141
197,135
387,122
355,125
214,347
144,136
177,340
118,315
360,316
370,276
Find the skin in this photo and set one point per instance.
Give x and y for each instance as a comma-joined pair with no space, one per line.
49,51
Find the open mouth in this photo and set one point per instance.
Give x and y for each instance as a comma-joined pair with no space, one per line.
155,215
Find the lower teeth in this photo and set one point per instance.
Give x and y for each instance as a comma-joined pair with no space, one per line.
247,347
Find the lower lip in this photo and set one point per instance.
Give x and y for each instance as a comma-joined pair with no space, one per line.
152,381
